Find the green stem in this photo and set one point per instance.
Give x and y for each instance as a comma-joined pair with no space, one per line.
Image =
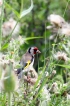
21,9
9,99
1,21
45,46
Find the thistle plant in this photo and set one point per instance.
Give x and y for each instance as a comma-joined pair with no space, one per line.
9,80
50,86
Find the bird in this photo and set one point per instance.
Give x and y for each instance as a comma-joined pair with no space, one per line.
27,59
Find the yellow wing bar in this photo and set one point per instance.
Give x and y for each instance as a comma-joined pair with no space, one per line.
27,64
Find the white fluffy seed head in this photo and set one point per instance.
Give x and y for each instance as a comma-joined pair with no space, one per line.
56,20
8,27
61,56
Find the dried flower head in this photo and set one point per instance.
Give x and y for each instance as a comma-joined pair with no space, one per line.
2,63
47,74
68,96
31,77
49,27
61,56
45,93
52,37
1,2
53,72
8,27
2,56
54,88
56,20
65,30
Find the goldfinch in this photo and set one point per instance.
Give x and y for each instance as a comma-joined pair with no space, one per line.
27,59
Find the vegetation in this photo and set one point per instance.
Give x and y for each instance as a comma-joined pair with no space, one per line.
41,23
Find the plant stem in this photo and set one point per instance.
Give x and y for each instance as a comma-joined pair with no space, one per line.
1,21
21,9
9,99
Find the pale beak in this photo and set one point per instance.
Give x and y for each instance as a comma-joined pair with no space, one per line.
38,51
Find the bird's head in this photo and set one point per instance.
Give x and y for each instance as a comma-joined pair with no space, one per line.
33,50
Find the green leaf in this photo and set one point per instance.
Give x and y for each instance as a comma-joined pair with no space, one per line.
5,46
11,8
25,12
30,38
65,66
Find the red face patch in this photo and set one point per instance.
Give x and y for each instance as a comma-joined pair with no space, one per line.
35,49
